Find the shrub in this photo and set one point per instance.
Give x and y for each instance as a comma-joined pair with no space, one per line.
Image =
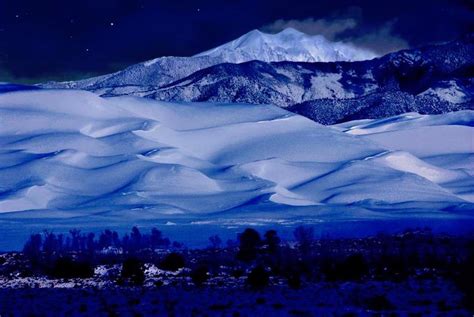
465,280
304,236
294,280
258,278
215,241
232,244
353,267
237,273
249,241
106,239
172,262
157,240
272,241
32,248
177,245
379,303
135,240
66,267
199,275
51,243
132,270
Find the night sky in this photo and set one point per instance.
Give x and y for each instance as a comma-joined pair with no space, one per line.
61,39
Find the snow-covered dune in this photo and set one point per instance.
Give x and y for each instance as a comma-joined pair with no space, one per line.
438,147
72,153
422,135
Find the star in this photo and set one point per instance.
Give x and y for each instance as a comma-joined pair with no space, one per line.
112,24
198,10
87,50
17,16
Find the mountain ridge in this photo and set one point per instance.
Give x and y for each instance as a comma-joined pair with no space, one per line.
164,70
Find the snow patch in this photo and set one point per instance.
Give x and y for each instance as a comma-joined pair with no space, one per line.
329,86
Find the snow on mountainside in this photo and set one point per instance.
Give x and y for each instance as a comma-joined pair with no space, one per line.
288,45
73,154
143,76
431,80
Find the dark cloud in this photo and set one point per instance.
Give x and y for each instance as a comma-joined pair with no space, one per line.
380,39
329,28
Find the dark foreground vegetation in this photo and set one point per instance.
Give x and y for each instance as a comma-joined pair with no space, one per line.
415,272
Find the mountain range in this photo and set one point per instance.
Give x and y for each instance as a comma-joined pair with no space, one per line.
289,44
309,75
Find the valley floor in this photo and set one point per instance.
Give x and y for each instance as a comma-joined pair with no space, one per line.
408,298
414,273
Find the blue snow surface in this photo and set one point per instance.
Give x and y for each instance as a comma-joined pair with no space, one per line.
7,87
71,159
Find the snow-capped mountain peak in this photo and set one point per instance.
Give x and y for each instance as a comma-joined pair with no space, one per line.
287,45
